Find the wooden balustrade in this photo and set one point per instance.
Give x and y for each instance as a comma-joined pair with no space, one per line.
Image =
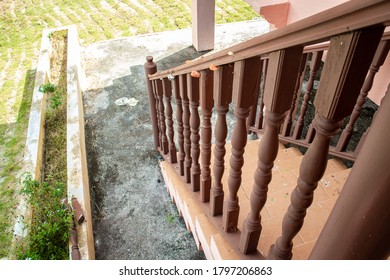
272,65
282,69
150,68
167,89
186,127
222,89
355,51
180,128
193,92
206,103
244,84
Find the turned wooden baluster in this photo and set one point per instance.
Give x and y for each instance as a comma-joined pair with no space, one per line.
244,84
179,120
161,111
223,83
250,121
377,62
291,113
282,72
347,63
206,103
193,92
186,125
314,65
151,68
260,117
154,87
167,89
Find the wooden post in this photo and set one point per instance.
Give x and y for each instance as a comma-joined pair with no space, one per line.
222,89
359,225
244,82
347,63
151,68
193,92
206,103
167,89
203,24
161,111
186,126
282,73
179,120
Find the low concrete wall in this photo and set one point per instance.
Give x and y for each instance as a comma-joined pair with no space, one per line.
77,172
78,185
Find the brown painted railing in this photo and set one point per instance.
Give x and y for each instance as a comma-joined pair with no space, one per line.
274,64
294,123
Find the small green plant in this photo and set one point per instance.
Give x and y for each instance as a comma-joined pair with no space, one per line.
50,35
51,221
46,88
170,218
54,93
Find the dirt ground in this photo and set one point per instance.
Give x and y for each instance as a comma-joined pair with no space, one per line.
133,216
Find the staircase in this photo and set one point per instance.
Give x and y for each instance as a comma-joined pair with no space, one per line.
256,199
209,234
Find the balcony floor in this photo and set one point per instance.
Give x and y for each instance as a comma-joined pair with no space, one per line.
208,232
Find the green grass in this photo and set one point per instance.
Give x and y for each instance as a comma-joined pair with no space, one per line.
21,26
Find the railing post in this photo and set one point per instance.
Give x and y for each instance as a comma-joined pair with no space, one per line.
206,103
157,105
347,63
179,120
151,68
222,89
359,225
161,111
377,62
244,82
186,125
167,89
314,65
193,92
283,66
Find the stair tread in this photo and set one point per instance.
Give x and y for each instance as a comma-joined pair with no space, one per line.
284,180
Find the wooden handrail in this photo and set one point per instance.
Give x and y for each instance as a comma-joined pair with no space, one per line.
349,16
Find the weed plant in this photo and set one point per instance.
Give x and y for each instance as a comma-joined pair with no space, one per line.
48,237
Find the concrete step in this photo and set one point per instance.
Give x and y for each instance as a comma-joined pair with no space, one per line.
218,245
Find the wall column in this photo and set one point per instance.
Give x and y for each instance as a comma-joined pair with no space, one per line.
203,24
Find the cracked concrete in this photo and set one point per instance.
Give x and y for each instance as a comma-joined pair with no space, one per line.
133,216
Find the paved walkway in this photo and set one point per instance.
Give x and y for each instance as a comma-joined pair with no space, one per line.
133,215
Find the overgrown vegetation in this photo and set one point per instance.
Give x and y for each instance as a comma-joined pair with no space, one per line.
21,26
48,236
48,233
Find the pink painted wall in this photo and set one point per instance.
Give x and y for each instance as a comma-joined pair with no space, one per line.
300,9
